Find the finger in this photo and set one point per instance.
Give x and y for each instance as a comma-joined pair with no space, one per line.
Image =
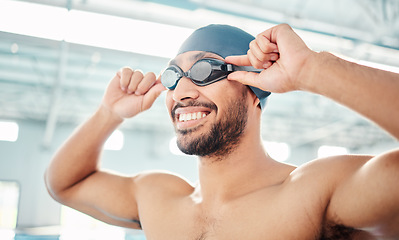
290,39
145,84
256,51
267,64
115,81
159,77
272,57
262,56
135,80
265,45
254,60
241,60
152,94
125,75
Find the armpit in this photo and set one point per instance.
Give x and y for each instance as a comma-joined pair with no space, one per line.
341,232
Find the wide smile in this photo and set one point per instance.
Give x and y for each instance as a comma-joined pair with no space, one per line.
184,117
190,117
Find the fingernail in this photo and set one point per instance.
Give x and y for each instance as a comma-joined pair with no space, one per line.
273,57
123,88
137,93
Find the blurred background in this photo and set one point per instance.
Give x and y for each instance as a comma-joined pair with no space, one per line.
57,56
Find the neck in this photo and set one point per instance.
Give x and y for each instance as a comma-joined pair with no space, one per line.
247,169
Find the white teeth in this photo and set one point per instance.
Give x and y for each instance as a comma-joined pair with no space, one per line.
191,116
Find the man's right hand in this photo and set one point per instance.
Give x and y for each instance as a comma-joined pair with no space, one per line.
131,92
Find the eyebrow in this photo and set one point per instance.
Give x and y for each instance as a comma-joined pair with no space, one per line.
194,58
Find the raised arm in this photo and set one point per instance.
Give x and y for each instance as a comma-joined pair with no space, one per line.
74,177
371,92
364,191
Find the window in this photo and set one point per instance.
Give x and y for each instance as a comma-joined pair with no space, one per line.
326,151
78,226
79,22
8,131
9,199
115,141
277,150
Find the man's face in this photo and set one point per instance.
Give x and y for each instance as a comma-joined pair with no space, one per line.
208,120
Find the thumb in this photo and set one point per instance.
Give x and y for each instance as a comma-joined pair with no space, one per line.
265,80
246,78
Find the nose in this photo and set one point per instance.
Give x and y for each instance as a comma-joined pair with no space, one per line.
185,90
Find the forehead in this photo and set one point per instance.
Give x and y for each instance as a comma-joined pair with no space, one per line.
192,57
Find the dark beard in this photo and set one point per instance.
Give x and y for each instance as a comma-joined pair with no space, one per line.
223,136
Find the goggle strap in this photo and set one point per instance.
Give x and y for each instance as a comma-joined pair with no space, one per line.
246,68
229,67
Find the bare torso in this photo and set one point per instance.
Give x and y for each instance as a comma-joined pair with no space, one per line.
292,209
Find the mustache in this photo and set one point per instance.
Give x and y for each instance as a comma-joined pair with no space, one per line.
192,103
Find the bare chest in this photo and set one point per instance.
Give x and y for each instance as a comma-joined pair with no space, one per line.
247,219
249,224
280,213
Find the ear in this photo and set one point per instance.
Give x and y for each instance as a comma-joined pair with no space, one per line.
255,99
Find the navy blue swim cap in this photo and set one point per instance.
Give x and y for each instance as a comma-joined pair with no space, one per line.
223,40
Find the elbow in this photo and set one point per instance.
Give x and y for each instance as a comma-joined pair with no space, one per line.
51,185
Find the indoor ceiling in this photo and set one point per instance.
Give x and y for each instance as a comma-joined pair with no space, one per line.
60,81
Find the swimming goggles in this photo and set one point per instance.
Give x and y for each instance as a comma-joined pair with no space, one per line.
204,72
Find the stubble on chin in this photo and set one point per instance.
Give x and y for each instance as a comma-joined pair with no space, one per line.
222,137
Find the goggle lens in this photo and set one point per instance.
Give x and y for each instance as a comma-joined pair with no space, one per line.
203,72
200,71
171,76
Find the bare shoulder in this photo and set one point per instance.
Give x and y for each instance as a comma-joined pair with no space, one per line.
319,178
333,168
162,182
158,192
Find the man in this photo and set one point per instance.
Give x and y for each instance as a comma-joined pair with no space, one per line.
242,193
